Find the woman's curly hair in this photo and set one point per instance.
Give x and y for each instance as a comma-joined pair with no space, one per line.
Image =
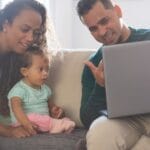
10,61
10,64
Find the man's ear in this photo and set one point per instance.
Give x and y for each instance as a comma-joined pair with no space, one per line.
118,10
24,71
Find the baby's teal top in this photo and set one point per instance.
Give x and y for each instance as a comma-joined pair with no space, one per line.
33,100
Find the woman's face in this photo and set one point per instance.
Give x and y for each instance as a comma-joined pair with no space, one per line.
20,33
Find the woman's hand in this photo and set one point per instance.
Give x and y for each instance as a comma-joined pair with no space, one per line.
18,132
31,128
56,112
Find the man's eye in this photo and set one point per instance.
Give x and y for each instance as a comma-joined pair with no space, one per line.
93,29
104,21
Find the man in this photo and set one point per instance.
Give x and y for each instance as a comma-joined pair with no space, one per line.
103,18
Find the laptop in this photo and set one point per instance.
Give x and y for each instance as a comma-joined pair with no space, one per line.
127,78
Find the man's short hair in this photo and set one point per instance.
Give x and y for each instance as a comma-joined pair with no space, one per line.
84,6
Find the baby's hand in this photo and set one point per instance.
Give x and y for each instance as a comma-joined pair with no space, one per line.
57,112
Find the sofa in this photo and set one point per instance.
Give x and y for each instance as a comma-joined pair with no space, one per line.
65,82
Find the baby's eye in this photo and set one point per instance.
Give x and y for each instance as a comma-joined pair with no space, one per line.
41,69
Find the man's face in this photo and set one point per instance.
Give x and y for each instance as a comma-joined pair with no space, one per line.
104,24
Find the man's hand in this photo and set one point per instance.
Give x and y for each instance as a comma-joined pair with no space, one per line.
98,72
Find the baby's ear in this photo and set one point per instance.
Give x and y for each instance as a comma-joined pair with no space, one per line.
24,71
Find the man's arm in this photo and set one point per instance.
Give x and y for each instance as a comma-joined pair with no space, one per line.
93,94
96,102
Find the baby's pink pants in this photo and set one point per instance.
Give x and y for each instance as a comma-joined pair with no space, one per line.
46,123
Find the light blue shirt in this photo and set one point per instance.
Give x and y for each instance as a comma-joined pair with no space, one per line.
33,100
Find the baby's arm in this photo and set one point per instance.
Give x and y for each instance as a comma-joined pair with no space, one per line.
55,111
21,116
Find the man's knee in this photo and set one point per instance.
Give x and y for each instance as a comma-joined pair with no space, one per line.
103,128
110,134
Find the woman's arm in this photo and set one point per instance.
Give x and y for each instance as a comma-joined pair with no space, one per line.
18,132
21,116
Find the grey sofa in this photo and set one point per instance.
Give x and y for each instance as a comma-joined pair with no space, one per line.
64,80
44,142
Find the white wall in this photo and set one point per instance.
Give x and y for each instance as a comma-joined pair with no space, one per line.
73,34
61,13
136,12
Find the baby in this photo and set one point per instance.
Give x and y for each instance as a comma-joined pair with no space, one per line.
29,99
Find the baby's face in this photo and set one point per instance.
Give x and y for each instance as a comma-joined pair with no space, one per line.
38,72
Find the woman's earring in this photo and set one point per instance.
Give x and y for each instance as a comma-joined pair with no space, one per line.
4,29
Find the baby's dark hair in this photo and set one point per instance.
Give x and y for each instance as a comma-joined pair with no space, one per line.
30,52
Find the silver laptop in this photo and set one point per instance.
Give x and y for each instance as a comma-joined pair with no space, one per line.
127,78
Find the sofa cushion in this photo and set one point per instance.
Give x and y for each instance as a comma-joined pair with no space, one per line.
65,81
62,141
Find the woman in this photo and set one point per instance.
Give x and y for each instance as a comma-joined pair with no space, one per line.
22,24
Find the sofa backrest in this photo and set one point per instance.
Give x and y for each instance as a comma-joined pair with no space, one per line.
65,81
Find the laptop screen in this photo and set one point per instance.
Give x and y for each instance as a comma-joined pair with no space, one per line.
127,78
